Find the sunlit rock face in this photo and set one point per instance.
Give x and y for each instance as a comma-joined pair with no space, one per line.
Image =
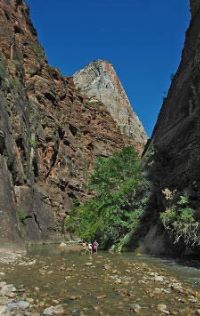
99,81
50,135
176,136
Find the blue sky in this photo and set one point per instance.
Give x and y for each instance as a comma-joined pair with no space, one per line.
143,40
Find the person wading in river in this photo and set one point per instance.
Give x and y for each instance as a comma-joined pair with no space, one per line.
90,248
95,246
85,247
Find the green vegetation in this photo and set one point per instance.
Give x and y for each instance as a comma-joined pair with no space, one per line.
33,114
16,62
16,84
2,69
33,142
179,220
21,214
24,177
38,50
10,160
116,206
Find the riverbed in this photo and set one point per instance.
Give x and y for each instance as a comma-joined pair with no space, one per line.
53,280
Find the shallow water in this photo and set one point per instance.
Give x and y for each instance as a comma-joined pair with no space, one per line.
104,284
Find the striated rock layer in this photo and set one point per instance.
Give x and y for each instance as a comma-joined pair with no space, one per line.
176,139
50,135
99,82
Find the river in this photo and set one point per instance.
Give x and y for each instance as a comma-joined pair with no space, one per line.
53,280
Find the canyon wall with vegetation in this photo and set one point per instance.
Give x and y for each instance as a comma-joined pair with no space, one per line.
50,135
174,156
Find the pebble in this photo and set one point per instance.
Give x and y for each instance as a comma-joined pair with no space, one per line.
159,278
62,244
18,305
7,290
96,308
118,281
99,297
107,266
88,264
157,291
177,287
163,308
2,283
73,297
135,308
27,263
54,310
30,300
3,310
75,312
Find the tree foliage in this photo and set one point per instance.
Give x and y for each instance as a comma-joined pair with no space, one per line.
116,207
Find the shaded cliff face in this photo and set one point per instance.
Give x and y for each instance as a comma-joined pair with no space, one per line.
176,137
50,134
195,7
99,81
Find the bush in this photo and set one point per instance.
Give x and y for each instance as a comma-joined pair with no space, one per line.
180,221
116,207
33,142
21,214
2,70
16,84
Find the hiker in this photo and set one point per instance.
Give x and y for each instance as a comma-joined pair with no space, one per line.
95,246
85,247
90,248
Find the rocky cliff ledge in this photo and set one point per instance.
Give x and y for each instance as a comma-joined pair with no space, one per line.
176,140
50,135
99,81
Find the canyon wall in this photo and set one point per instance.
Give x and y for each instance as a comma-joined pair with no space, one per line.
50,135
175,143
195,7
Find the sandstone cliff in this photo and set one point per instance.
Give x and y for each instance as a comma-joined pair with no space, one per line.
99,81
175,140
50,134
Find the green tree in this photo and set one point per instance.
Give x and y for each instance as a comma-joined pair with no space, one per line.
115,207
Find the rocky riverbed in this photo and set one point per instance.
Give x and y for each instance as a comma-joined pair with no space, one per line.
61,282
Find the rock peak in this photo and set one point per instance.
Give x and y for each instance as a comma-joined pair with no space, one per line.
98,80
